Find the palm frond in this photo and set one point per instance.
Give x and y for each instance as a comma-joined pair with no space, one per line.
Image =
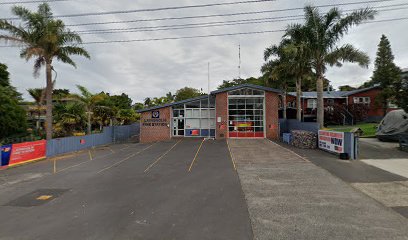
347,53
354,18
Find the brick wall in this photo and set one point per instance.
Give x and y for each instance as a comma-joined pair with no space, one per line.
221,105
152,130
271,115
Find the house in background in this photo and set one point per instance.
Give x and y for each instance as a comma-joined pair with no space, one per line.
344,99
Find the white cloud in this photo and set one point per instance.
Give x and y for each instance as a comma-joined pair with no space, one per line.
143,69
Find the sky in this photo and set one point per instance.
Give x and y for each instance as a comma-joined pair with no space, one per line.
153,68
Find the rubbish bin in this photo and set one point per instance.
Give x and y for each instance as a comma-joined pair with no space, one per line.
5,154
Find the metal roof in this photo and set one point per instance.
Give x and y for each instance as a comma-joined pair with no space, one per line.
247,85
212,93
334,94
172,104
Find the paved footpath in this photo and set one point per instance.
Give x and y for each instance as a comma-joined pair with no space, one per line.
289,197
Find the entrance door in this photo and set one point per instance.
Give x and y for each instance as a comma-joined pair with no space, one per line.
246,117
178,127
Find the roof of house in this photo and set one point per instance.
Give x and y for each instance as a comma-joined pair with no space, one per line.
247,85
172,104
212,93
334,94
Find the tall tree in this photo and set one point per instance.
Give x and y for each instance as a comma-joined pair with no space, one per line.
44,38
401,88
278,70
186,93
322,33
386,73
89,102
13,118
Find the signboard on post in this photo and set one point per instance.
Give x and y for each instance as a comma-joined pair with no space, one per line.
331,141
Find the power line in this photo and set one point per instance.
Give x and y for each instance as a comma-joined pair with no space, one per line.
159,9
216,35
201,25
210,35
35,1
234,14
204,5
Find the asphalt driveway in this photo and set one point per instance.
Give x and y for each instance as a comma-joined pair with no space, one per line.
133,191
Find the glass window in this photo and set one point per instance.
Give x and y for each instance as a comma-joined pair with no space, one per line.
204,123
195,104
189,113
196,113
204,103
311,103
192,123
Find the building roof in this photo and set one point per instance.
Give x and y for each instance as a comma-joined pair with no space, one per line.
334,94
212,93
247,85
172,104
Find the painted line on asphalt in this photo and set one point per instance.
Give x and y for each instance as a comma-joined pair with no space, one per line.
110,149
195,157
158,159
126,146
90,155
79,164
303,158
121,161
232,156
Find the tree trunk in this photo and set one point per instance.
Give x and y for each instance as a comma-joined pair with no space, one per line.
89,122
298,99
284,104
48,92
320,103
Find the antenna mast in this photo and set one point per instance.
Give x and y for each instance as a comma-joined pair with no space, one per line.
239,61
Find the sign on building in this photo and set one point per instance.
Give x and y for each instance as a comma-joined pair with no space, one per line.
331,141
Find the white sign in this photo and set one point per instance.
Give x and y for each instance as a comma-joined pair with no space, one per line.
331,141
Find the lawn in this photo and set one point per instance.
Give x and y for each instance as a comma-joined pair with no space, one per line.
368,128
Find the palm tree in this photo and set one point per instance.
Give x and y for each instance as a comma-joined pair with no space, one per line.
321,33
294,62
90,102
44,38
278,68
38,94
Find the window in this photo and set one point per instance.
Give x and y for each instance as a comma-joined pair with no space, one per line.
362,100
330,101
311,103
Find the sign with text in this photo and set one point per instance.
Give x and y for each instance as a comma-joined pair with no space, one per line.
331,141
28,151
154,122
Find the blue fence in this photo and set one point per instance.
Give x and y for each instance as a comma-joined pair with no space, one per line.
286,125
109,135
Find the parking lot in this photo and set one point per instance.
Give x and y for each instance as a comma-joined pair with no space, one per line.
133,191
188,189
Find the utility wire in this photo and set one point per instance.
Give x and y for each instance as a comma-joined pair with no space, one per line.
234,14
216,35
207,36
204,5
159,9
35,1
203,24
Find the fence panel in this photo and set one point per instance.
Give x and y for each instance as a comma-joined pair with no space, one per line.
109,135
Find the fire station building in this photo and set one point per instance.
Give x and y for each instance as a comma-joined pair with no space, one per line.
244,111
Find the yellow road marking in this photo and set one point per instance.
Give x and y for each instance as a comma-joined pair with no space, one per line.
192,163
121,161
158,159
44,197
90,155
232,156
55,166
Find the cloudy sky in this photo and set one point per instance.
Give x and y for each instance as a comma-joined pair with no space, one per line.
152,68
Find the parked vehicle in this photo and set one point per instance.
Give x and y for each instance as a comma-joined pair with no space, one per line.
393,125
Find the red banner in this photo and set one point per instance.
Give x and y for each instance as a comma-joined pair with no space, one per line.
28,151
